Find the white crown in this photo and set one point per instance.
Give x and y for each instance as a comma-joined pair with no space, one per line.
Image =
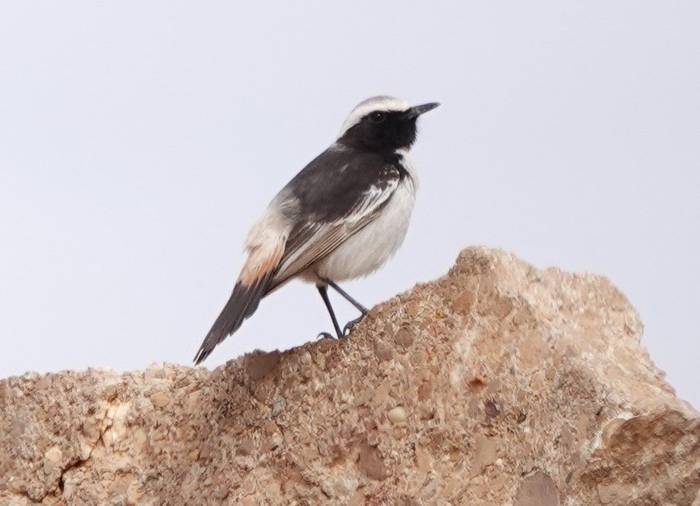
381,103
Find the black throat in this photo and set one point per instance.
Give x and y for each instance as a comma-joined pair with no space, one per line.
381,132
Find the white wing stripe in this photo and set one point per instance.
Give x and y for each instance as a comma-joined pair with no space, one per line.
328,236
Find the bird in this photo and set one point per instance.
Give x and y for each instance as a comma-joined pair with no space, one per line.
340,218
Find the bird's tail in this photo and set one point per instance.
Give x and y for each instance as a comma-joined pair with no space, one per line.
265,247
243,302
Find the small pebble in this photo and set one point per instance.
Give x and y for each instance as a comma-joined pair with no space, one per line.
160,399
278,406
397,415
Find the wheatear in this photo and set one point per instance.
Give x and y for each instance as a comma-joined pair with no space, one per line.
340,218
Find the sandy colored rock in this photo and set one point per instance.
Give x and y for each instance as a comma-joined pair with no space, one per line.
537,490
397,415
498,384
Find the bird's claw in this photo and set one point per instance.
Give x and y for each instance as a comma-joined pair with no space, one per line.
349,326
324,335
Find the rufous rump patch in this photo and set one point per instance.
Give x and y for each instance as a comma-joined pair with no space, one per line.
262,259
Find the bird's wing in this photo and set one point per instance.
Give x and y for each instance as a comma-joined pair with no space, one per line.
317,236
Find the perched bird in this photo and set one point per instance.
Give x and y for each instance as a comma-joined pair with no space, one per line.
340,218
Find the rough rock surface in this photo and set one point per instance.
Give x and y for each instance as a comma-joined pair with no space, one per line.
498,384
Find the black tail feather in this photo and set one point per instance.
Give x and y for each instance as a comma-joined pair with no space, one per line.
243,302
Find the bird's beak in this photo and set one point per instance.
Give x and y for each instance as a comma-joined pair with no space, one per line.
417,110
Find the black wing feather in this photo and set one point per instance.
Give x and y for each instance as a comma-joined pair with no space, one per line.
329,193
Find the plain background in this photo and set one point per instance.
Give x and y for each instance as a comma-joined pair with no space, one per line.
139,141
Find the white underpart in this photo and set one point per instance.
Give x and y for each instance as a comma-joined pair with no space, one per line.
326,234
382,103
367,250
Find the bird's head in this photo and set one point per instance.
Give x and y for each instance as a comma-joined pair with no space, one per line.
382,124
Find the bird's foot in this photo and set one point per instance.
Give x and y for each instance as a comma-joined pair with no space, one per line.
325,335
349,326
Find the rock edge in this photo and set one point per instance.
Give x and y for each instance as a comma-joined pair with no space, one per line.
498,384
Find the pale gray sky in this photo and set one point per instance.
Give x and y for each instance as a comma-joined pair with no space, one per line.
139,140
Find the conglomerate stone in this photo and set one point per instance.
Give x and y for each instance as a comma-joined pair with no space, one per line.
498,384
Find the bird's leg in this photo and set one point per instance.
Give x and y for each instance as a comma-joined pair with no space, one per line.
323,290
362,309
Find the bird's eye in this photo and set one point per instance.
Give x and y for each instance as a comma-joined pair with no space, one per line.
377,116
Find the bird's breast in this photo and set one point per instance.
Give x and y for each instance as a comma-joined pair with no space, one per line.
371,247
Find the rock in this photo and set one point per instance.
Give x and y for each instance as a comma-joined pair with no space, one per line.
485,453
384,350
537,490
278,407
397,415
160,399
371,463
524,387
53,455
